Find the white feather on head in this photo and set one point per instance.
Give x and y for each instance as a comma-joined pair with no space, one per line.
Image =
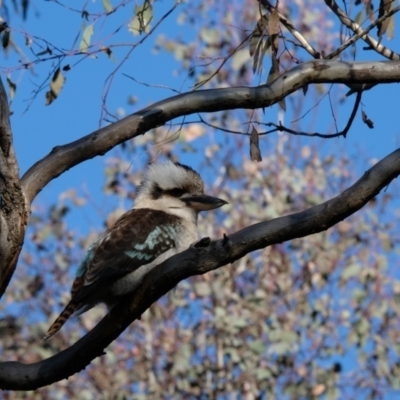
159,178
168,175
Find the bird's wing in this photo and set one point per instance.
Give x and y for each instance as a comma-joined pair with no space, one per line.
136,239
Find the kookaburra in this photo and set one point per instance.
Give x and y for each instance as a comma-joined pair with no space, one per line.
162,223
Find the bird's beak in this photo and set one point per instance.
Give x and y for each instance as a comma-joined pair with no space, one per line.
203,202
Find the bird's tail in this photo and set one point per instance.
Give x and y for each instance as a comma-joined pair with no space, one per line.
69,309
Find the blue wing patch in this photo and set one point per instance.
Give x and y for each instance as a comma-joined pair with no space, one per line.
158,240
83,266
136,239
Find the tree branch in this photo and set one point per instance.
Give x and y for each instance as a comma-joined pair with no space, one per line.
347,21
62,158
279,127
195,261
290,27
13,215
360,33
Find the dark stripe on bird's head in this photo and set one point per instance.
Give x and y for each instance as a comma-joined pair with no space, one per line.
186,167
156,192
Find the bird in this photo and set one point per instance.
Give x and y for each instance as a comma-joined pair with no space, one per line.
163,222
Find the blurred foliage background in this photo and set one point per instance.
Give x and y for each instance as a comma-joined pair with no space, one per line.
314,318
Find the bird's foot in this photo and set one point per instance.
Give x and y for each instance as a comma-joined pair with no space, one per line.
204,242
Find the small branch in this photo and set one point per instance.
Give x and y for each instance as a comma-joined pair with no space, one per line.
357,36
151,85
109,80
290,27
279,127
347,21
225,59
196,261
219,128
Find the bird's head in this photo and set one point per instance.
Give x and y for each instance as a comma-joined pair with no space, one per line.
175,188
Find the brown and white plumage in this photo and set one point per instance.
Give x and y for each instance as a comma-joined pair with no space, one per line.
162,223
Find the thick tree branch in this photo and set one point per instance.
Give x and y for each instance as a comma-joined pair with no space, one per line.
99,142
13,216
194,261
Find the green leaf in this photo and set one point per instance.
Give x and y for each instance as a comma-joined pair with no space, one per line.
257,346
233,354
141,21
239,59
219,312
359,17
134,26
258,33
56,85
280,348
289,336
202,289
12,86
386,241
86,36
42,234
107,6
210,36
359,295
351,271
240,322
384,7
61,260
262,374
390,30
259,56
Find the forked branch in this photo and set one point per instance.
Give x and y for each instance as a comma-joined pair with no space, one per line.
374,44
280,128
195,261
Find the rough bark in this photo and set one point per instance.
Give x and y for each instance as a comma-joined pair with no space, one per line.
13,214
194,261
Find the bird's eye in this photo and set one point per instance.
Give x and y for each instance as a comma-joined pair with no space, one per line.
176,192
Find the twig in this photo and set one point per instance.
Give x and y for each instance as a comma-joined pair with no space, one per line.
202,83
151,85
289,26
110,78
359,35
279,127
347,21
